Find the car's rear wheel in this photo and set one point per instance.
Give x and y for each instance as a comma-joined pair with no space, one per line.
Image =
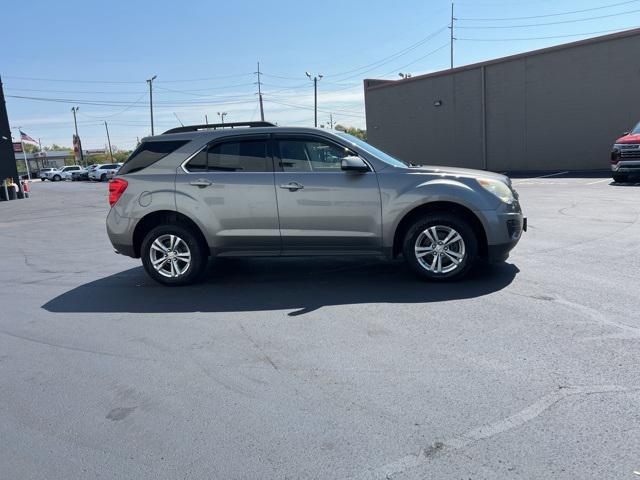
620,177
440,247
173,255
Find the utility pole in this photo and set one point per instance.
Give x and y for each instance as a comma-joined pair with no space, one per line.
206,119
108,141
222,115
75,123
150,82
315,80
451,27
331,120
260,93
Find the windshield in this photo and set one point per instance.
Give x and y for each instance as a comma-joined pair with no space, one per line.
636,129
379,154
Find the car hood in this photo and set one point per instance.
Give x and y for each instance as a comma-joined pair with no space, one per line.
631,138
460,172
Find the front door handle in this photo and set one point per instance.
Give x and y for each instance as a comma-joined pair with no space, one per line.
201,182
292,186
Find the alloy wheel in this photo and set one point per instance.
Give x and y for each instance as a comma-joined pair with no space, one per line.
170,256
440,249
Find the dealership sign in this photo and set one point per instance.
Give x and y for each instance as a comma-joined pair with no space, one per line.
17,147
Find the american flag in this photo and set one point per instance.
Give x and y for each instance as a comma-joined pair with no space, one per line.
26,138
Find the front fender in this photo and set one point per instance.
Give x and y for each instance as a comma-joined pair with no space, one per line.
400,201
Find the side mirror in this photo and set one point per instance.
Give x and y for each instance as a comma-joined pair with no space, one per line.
354,164
625,134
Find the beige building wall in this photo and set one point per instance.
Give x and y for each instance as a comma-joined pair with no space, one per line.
554,109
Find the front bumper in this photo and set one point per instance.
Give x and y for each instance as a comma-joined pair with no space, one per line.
515,227
628,167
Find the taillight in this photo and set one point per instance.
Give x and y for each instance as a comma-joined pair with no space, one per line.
117,186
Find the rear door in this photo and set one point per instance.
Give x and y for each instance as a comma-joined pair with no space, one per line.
228,188
322,208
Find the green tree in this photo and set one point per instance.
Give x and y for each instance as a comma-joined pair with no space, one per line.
356,132
29,148
56,148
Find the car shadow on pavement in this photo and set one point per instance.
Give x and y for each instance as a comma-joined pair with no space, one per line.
298,284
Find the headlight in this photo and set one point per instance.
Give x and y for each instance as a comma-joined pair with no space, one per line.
498,188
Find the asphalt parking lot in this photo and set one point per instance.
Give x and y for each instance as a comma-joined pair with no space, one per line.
323,368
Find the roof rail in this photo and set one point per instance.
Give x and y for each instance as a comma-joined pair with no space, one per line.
215,126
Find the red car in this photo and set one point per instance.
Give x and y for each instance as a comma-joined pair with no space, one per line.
625,157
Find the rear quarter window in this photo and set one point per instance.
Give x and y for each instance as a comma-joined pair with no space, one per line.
149,153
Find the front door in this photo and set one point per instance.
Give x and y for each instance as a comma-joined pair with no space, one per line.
322,208
229,189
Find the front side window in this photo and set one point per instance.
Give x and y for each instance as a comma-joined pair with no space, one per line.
311,155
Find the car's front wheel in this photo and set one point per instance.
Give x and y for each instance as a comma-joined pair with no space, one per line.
173,255
440,247
56,178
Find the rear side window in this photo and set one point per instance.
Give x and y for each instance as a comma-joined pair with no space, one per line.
235,156
149,153
244,156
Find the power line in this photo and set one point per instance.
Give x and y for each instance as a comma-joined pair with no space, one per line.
550,14
304,107
117,82
550,23
121,104
419,59
388,58
538,38
120,112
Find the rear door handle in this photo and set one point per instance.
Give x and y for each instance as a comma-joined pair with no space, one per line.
201,182
292,186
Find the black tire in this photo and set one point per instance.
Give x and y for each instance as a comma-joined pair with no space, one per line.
42,179
620,177
103,177
446,221
56,178
199,257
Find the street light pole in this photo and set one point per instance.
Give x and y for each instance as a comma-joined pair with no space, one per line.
315,79
150,82
108,141
222,115
75,123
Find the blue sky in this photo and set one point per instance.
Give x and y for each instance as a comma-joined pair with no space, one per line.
97,55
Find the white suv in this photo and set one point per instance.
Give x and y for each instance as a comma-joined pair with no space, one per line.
104,172
63,173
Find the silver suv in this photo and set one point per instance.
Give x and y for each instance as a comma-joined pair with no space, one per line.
254,189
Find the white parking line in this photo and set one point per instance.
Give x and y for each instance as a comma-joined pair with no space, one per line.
599,181
541,176
551,175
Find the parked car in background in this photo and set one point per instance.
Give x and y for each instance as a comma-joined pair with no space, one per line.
101,172
63,173
42,173
83,174
205,191
114,172
625,157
